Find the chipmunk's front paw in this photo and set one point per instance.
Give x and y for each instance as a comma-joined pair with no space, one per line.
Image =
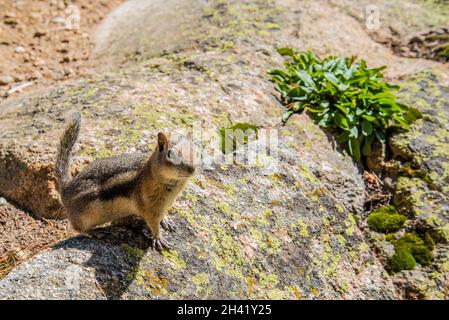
160,244
167,224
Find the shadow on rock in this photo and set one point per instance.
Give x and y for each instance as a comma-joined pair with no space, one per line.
115,266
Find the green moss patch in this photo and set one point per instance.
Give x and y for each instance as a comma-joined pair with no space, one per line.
443,51
401,260
412,248
386,220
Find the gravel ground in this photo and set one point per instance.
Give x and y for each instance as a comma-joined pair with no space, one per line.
44,42
22,235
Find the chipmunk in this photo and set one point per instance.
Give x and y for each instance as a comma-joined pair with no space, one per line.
124,185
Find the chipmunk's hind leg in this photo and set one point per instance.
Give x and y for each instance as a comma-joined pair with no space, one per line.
85,220
79,224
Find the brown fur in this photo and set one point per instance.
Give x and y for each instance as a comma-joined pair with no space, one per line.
128,184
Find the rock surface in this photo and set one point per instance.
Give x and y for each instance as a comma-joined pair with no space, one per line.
423,186
243,232
423,189
216,85
168,26
398,24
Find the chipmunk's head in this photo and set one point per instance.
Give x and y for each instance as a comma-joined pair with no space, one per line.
177,157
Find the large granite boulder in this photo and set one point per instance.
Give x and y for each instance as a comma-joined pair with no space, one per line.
269,231
123,109
285,229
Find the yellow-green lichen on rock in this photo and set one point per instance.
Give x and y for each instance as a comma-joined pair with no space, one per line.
217,255
420,163
423,185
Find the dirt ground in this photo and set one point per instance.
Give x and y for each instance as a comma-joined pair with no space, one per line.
23,236
44,42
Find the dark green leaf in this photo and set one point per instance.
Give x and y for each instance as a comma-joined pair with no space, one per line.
367,128
324,104
354,132
278,72
354,149
286,116
369,118
333,79
342,109
325,120
300,98
286,51
385,95
343,137
296,107
380,136
314,110
341,121
412,115
402,122
366,149
306,78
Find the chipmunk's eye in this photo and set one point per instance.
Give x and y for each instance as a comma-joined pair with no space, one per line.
170,154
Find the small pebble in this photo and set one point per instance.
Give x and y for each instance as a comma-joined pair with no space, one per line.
9,15
40,33
20,50
5,80
58,20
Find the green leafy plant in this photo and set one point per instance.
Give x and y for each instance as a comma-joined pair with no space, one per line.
343,95
230,135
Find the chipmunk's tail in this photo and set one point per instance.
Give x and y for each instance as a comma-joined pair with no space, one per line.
64,159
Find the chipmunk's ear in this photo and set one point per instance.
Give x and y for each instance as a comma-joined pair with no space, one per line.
162,141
